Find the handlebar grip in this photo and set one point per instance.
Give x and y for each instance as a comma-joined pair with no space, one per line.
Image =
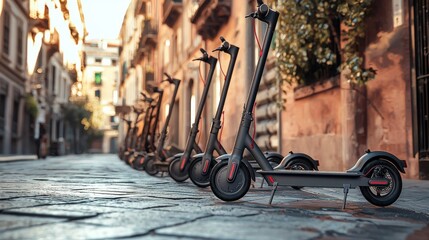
263,10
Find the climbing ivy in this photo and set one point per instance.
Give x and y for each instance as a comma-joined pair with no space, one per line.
304,33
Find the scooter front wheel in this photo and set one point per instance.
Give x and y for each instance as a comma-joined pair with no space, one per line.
175,172
150,167
226,190
136,163
386,195
196,172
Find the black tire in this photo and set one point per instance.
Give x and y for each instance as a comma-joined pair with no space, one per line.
149,166
195,173
131,159
136,163
274,161
175,172
382,196
299,164
225,190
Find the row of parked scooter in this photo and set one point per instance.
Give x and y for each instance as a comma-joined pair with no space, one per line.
376,173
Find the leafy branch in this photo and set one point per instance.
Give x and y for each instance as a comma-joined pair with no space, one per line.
306,34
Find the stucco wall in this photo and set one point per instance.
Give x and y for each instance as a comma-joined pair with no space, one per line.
389,95
312,125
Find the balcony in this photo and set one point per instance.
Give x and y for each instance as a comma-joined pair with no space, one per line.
39,22
148,38
171,11
141,8
210,16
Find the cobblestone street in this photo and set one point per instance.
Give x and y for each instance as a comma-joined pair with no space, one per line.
100,197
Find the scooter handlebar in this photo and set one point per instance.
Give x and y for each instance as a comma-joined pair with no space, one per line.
157,90
261,11
205,56
224,47
170,79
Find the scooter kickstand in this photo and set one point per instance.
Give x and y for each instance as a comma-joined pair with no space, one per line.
262,183
273,192
346,191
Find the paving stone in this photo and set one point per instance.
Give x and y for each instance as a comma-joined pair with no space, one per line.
100,197
68,230
8,221
143,221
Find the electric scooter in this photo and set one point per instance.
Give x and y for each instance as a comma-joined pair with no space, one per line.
133,135
177,163
136,137
375,173
147,131
155,121
126,139
149,159
201,164
143,137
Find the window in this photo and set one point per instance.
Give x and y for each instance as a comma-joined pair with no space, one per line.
98,60
6,32
97,78
53,75
3,98
20,46
97,93
15,114
114,62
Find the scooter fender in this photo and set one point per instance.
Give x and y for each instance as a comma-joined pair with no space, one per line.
198,155
371,156
175,156
273,155
291,156
226,157
178,155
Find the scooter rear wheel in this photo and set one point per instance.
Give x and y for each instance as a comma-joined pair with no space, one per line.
175,172
299,164
150,167
226,190
382,196
196,172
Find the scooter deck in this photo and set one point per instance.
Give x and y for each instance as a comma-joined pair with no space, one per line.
314,178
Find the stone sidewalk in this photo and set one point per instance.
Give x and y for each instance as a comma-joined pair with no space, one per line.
100,197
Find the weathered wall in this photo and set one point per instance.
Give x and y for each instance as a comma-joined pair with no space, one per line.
312,125
389,95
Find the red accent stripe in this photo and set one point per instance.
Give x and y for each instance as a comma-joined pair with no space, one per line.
141,160
206,166
231,173
182,164
271,179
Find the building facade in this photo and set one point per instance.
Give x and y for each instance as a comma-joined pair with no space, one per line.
41,59
325,117
100,81
13,77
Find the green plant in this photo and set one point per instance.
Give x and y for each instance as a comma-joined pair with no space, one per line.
306,30
31,105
